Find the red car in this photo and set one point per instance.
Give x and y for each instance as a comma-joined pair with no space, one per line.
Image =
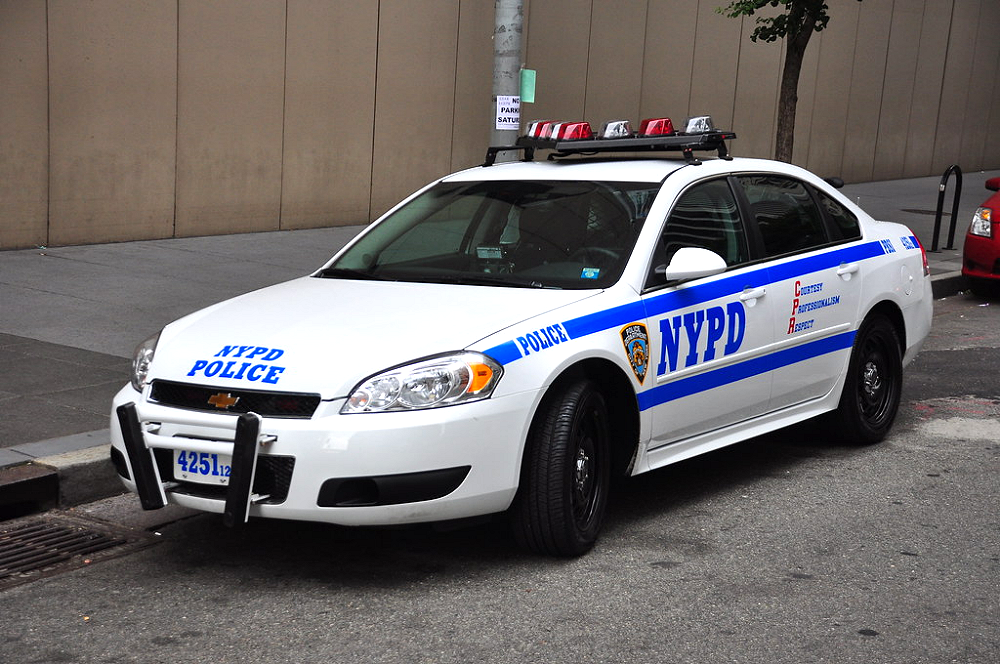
981,256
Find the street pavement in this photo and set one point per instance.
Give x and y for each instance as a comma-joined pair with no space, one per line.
785,549
70,318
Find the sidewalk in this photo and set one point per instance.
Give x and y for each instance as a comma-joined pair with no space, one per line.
69,321
71,316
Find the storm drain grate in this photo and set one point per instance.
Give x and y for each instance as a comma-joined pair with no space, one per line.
41,546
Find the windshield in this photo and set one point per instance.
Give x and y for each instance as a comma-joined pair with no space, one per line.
533,234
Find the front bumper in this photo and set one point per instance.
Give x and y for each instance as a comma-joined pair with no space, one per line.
981,256
364,469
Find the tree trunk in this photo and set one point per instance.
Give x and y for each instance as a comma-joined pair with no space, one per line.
787,102
805,20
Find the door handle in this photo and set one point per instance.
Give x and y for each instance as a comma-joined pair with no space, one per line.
847,270
751,295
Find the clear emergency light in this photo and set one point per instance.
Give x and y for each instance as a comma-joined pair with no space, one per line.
616,129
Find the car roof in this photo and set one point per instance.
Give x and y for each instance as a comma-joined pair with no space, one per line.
607,170
620,169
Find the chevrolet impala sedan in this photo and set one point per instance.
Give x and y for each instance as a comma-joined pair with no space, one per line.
512,336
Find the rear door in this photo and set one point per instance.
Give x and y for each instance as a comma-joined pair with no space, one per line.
814,271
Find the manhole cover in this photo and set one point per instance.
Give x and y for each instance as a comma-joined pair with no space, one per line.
47,544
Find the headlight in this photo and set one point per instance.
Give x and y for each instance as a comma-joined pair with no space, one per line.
141,360
440,381
981,222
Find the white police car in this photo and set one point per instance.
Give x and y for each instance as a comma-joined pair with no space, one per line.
511,336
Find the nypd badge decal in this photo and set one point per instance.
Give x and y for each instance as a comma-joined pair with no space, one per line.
636,341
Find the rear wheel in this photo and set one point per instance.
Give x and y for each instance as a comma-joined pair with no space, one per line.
565,476
874,382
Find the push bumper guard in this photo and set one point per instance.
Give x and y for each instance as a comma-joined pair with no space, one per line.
141,438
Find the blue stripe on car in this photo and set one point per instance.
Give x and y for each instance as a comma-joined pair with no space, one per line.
616,317
735,372
505,353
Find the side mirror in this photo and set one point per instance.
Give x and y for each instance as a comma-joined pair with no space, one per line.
693,263
993,184
835,182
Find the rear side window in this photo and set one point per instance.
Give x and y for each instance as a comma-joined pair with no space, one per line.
842,218
785,213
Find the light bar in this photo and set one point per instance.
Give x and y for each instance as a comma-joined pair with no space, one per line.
654,135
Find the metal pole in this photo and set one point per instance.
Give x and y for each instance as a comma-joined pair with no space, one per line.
940,208
508,22
954,207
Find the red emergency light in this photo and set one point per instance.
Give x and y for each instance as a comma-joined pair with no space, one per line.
538,129
656,127
572,131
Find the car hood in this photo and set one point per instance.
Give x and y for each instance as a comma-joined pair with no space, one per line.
326,335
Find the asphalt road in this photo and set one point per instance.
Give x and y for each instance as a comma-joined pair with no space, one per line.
782,549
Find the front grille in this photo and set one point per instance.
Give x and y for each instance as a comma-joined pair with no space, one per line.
215,400
272,479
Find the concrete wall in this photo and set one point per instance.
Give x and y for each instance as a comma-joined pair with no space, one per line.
138,119
24,151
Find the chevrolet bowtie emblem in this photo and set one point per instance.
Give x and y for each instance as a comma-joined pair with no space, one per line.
223,400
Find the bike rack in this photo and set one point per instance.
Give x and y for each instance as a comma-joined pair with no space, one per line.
954,207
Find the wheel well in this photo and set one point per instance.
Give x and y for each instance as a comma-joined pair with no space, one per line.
623,409
895,316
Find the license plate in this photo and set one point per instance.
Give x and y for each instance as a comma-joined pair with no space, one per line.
202,467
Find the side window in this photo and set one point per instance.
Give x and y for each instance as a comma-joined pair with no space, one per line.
785,213
842,218
706,215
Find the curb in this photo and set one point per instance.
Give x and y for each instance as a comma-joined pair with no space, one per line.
947,284
61,472
84,475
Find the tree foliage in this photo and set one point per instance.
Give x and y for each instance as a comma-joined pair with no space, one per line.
795,23
797,16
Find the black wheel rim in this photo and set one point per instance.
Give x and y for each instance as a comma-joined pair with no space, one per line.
876,382
586,487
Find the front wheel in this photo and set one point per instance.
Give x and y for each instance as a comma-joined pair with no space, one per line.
565,475
874,382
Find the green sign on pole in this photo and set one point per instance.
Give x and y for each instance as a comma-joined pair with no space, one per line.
527,86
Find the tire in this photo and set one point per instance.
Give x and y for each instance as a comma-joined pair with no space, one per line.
870,400
565,475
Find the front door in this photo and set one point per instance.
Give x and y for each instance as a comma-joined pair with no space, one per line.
706,336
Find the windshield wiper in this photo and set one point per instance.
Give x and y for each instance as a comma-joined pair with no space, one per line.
503,280
348,273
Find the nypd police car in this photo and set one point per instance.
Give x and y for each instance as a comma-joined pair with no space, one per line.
512,336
